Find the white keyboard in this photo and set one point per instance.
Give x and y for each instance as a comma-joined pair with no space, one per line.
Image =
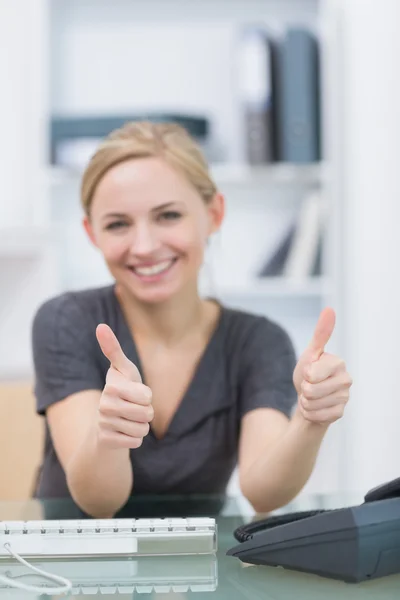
105,537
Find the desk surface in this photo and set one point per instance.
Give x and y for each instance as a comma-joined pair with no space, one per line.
200,578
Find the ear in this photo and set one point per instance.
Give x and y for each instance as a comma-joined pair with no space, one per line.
216,209
89,230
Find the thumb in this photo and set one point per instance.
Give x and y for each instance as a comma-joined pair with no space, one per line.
112,350
322,333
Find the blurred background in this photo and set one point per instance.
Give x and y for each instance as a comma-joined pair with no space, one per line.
296,106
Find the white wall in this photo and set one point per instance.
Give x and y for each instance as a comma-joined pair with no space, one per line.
22,108
366,155
27,271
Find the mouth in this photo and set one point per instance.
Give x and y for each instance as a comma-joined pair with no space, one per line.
153,271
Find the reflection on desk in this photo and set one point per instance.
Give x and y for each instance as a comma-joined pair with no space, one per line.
142,575
269,583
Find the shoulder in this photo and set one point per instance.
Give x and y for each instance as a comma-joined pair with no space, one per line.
74,303
74,311
251,332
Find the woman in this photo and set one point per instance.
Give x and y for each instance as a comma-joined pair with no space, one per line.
146,387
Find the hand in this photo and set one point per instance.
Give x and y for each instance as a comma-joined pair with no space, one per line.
321,379
125,409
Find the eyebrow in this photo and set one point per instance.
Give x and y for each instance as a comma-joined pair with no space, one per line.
123,215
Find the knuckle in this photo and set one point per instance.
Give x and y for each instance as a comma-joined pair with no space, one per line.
112,375
136,442
147,394
307,389
111,389
138,393
310,416
105,437
102,422
349,380
339,411
311,374
323,416
106,406
140,429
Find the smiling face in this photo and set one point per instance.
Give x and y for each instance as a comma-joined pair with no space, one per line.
151,225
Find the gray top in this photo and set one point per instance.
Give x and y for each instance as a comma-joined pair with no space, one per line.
248,363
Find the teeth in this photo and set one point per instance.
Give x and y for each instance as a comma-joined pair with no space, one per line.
155,269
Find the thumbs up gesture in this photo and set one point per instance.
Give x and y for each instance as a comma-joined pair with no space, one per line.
125,409
321,379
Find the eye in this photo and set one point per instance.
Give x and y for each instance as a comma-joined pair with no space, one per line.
116,225
170,215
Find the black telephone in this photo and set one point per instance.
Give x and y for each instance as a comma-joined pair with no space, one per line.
351,544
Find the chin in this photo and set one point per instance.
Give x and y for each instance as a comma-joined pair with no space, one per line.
153,298
151,294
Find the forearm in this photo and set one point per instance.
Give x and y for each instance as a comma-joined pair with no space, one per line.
279,474
99,479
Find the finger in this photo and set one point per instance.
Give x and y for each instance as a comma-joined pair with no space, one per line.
335,384
313,404
115,407
120,425
327,366
112,350
325,415
118,386
113,439
323,332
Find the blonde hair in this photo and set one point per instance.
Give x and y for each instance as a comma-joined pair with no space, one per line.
142,139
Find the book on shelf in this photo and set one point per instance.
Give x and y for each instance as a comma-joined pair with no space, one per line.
299,253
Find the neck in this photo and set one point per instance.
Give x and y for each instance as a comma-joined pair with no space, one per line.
167,322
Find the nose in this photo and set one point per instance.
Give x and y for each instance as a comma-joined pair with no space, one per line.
144,241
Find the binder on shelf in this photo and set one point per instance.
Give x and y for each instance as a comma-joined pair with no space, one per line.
256,94
299,97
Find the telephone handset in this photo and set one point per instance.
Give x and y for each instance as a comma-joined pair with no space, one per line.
390,489
351,544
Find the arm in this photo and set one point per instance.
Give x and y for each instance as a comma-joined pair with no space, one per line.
93,444
277,455
93,423
99,479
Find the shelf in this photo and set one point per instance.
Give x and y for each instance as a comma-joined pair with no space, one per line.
192,10
272,287
23,242
275,173
228,174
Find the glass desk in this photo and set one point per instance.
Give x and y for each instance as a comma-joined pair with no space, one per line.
197,577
